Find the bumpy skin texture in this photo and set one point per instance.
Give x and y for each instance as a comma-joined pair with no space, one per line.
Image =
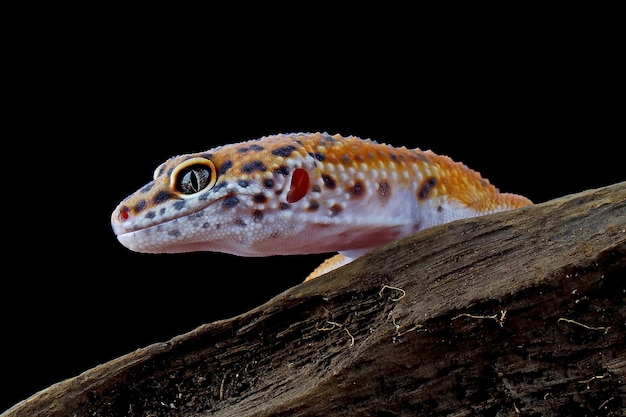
301,193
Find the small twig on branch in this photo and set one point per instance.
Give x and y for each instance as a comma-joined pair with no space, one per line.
605,329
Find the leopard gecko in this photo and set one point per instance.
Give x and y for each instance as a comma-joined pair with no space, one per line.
301,193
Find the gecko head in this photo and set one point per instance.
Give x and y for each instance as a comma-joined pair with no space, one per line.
217,200
179,187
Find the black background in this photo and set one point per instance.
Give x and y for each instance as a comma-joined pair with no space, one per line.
537,110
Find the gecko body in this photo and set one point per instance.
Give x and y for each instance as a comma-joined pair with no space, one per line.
301,193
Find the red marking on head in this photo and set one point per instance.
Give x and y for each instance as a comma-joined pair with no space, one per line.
124,213
299,185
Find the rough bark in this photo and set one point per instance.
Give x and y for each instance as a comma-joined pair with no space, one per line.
516,313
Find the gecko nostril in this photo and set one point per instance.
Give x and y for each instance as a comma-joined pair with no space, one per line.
123,213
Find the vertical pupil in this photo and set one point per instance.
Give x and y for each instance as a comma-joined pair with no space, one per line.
194,179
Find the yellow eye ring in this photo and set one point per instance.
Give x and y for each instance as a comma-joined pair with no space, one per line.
193,175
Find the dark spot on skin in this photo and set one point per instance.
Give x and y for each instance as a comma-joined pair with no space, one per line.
196,215
179,204
230,201
162,211
284,206
319,156
371,155
278,192
162,196
161,171
257,216
384,190
359,158
357,190
282,170
150,215
345,158
255,165
226,165
268,183
207,155
206,225
140,206
259,198
147,187
169,172
439,209
329,182
204,197
335,210
393,156
175,232
240,222
243,150
484,182
313,206
219,186
284,151
426,188
316,189
243,183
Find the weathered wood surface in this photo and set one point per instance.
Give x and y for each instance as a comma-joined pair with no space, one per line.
517,313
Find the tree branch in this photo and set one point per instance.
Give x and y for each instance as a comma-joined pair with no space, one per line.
519,312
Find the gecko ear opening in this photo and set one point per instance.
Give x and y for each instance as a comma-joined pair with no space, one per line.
299,185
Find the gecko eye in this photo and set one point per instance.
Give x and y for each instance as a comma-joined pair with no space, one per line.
193,176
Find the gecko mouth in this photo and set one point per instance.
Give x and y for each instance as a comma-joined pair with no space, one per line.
176,228
123,224
153,238
128,219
